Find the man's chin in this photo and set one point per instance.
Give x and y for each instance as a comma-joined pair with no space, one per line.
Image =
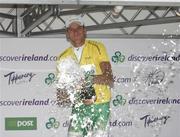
78,43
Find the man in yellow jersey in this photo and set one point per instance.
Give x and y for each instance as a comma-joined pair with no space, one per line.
90,118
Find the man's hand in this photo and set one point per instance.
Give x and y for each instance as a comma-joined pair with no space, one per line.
62,98
88,101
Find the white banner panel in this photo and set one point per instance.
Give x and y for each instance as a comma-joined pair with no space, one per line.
145,99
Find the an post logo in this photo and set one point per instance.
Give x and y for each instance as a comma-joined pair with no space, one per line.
118,57
50,79
21,123
119,100
52,123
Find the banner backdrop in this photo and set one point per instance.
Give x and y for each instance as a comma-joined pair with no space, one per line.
145,99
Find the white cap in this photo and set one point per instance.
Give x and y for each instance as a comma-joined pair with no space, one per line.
76,19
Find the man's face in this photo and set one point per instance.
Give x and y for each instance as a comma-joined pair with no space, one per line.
76,34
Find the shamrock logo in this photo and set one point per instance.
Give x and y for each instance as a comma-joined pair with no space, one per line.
118,57
50,79
119,101
52,123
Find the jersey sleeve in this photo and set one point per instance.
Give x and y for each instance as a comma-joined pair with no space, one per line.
102,54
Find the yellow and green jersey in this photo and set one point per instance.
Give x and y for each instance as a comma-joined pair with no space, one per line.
92,55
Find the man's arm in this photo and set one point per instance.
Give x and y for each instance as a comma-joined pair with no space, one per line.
106,77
